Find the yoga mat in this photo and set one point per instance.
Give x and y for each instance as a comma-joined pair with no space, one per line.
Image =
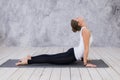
11,64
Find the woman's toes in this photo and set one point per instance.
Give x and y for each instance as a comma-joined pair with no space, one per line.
22,62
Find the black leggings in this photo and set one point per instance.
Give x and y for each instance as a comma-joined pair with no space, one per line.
60,58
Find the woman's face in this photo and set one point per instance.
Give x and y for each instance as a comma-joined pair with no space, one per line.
80,21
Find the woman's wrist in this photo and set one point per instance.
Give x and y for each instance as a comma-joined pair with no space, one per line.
85,64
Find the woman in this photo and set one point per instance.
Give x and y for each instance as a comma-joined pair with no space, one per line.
70,56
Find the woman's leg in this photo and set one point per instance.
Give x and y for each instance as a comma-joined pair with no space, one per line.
60,58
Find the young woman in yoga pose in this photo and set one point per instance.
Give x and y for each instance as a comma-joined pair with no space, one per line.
72,55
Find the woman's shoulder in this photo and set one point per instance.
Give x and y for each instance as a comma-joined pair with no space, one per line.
86,31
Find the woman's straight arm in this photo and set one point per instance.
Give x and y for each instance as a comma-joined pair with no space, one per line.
86,37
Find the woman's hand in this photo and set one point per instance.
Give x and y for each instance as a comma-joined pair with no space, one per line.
91,65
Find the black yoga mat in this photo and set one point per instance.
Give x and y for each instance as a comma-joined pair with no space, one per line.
11,64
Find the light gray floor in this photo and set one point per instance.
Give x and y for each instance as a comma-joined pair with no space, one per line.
111,56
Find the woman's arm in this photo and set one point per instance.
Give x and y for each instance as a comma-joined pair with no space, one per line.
86,37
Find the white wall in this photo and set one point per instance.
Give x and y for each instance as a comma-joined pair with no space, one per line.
47,22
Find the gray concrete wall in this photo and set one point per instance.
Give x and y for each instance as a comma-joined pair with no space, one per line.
35,23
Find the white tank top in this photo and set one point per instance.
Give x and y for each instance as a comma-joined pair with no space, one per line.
79,50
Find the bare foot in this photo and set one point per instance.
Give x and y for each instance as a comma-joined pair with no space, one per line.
28,57
22,62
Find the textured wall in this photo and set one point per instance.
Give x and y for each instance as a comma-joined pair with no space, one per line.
47,22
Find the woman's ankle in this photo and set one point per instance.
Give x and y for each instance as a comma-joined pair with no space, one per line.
29,57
